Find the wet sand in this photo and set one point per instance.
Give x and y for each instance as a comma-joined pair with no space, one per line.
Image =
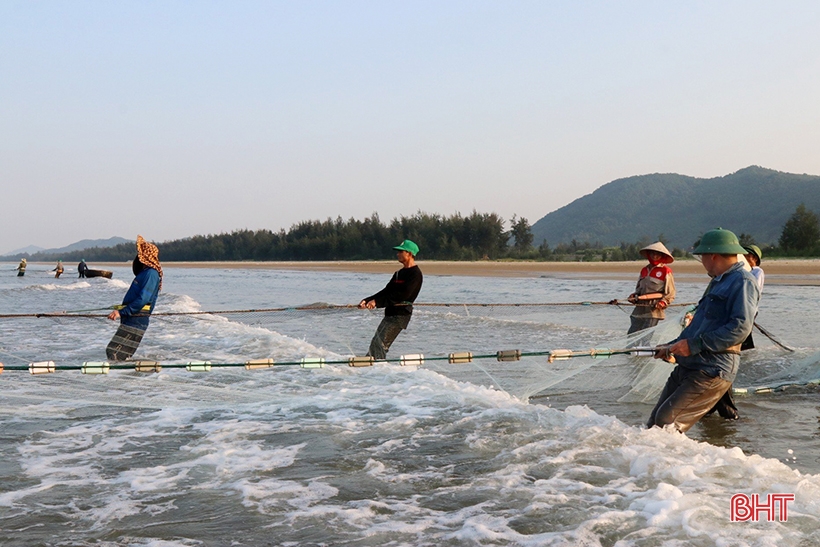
778,272
787,271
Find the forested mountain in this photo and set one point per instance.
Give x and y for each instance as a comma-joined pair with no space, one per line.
78,246
754,201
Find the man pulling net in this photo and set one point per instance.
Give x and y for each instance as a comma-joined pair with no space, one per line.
397,300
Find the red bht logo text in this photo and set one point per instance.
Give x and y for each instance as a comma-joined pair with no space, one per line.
745,507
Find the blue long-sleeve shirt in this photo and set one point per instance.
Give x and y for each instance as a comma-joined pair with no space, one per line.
143,291
724,318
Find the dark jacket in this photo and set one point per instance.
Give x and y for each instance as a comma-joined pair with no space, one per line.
398,295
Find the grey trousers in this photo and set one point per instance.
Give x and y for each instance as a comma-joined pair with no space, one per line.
124,343
386,333
686,398
641,323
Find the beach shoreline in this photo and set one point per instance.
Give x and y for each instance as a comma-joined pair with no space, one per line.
784,271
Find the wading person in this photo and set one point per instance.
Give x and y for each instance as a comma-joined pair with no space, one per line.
753,256
707,351
655,289
397,300
82,267
58,271
21,269
138,303
726,407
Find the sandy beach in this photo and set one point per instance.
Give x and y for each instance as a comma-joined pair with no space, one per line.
787,271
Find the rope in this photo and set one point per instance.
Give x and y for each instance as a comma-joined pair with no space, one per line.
534,304
103,367
413,359
322,307
771,337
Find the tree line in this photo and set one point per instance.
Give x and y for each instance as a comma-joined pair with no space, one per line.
478,236
456,237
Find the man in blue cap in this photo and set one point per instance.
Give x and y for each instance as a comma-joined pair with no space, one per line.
707,351
396,298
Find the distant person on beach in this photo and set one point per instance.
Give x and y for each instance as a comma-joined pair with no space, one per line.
655,289
707,352
21,269
397,300
138,303
58,271
82,267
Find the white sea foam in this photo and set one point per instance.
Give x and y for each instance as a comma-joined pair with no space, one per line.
342,455
77,285
117,283
528,463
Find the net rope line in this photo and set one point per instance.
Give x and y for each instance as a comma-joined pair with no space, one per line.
773,385
353,361
322,307
417,360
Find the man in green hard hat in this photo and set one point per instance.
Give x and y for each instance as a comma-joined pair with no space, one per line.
707,351
396,298
726,405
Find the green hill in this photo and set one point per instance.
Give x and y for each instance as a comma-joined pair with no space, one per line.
754,201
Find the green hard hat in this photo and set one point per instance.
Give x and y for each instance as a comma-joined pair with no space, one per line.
408,246
719,241
755,250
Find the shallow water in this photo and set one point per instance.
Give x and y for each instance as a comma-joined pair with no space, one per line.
386,455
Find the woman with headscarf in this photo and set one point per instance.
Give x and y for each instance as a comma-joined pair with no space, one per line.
138,303
21,269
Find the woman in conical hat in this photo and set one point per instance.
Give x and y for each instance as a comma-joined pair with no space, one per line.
658,247
655,289
135,311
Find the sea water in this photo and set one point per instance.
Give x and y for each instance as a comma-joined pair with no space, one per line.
483,453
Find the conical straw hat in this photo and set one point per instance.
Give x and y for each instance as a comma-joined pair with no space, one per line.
658,247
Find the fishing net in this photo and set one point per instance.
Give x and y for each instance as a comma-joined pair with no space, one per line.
181,332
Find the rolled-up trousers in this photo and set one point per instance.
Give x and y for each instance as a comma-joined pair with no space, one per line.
386,333
687,396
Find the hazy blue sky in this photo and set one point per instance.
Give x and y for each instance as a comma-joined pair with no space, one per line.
172,119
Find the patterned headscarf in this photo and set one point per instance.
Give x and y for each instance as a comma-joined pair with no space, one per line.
148,254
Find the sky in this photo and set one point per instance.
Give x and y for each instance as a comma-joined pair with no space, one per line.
171,119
